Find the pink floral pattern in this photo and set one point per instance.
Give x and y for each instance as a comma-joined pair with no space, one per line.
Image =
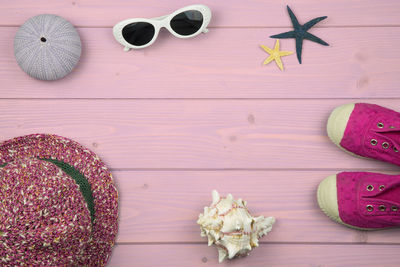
373,131
369,200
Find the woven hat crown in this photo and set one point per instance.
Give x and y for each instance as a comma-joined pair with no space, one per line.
59,203
43,214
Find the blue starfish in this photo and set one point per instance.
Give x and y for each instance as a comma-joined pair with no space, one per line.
300,33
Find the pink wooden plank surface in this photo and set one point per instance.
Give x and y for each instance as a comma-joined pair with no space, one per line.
266,13
167,204
271,255
141,112
187,134
225,63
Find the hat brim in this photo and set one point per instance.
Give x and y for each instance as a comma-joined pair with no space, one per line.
105,194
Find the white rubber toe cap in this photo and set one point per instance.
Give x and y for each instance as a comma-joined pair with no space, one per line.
337,122
327,198
328,201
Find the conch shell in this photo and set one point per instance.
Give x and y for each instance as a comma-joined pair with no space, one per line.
228,224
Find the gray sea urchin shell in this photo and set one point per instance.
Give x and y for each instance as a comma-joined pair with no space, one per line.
47,47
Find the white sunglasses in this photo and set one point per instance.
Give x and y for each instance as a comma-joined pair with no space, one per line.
183,23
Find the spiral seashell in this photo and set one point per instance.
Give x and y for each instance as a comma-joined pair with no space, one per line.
228,224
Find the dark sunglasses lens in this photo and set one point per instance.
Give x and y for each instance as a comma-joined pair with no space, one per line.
138,33
187,23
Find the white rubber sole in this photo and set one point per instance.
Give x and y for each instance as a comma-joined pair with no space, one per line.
327,198
337,124
327,201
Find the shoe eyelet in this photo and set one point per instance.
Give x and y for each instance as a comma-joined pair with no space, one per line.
392,127
385,145
370,208
370,187
374,142
395,149
394,208
380,125
381,187
382,207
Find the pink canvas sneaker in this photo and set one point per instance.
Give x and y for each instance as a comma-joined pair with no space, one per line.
366,130
361,200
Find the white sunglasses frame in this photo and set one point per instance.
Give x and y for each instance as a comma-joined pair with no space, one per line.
162,22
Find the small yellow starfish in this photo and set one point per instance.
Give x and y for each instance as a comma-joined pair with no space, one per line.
275,54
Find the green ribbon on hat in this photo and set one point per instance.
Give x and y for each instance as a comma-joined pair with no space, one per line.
79,178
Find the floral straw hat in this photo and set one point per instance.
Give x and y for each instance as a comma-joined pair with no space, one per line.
59,204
